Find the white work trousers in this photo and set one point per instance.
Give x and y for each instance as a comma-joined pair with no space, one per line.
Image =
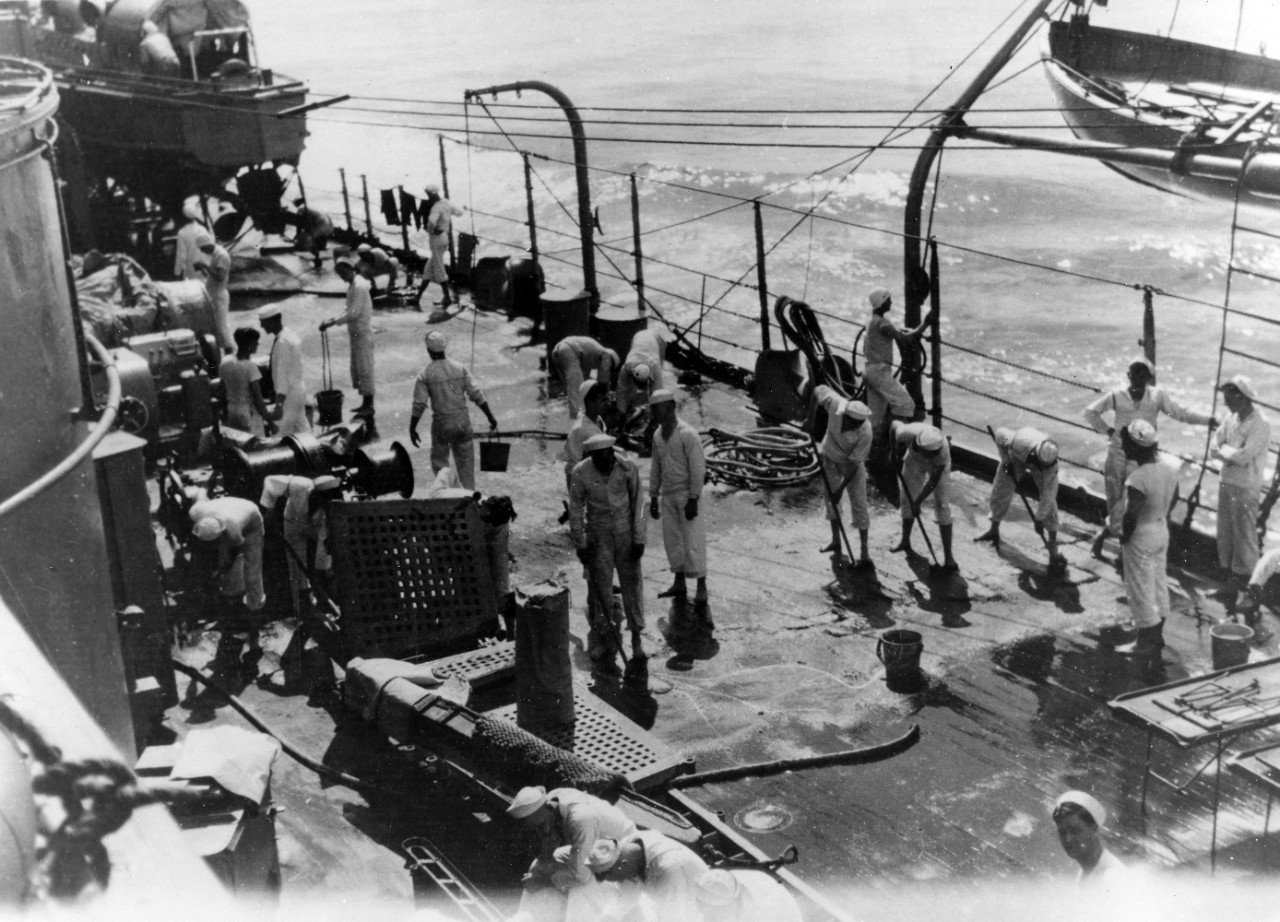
915,476
1237,529
853,476
293,416
685,540
884,391
569,369
609,553
1146,557
244,579
454,436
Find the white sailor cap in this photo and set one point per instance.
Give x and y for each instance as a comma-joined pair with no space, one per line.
661,396
929,439
208,528
437,341
1145,363
641,371
1047,452
527,802
1086,802
878,298
855,410
587,386
604,855
1142,433
364,248
598,443
1242,384
268,312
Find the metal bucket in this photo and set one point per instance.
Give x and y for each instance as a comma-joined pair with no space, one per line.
329,407
900,651
494,455
1230,644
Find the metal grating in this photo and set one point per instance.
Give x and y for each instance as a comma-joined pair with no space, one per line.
410,574
478,667
610,739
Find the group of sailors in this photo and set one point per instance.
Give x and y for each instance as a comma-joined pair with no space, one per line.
607,508
593,863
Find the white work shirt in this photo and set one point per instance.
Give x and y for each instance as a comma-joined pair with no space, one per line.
1265,568
839,445
358,316
580,821
1241,445
612,506
286,363
591,357
185,251
669,876
678,465
1016,447
445,385
878,341
1125,410
440,218
760,899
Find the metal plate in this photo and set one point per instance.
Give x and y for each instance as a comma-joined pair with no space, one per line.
479,667
611,740
410,574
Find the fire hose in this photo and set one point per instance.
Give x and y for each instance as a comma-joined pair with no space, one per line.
85,448
777,456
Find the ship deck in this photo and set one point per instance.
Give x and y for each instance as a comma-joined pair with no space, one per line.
1013,712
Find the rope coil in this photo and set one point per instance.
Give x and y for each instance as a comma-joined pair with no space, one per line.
777,456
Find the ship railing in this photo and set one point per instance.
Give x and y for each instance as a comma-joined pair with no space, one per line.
971,370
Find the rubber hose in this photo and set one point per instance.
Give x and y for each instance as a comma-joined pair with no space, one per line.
324,771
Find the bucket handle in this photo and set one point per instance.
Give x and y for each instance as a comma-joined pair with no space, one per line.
326,371
880,649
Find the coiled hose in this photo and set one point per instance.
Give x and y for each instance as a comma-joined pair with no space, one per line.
777,456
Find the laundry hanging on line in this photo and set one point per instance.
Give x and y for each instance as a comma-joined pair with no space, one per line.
389,209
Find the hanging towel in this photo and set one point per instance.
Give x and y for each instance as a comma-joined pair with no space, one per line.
389,206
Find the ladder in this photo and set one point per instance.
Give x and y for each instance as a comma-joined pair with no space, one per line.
428,866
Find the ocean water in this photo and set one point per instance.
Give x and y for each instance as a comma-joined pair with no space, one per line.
1043,257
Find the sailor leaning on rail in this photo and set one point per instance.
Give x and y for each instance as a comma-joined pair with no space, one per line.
884,391
1141,399
1027,451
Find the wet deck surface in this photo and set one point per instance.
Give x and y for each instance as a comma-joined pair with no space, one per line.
1013,711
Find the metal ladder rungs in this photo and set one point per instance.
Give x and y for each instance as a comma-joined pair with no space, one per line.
424,858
